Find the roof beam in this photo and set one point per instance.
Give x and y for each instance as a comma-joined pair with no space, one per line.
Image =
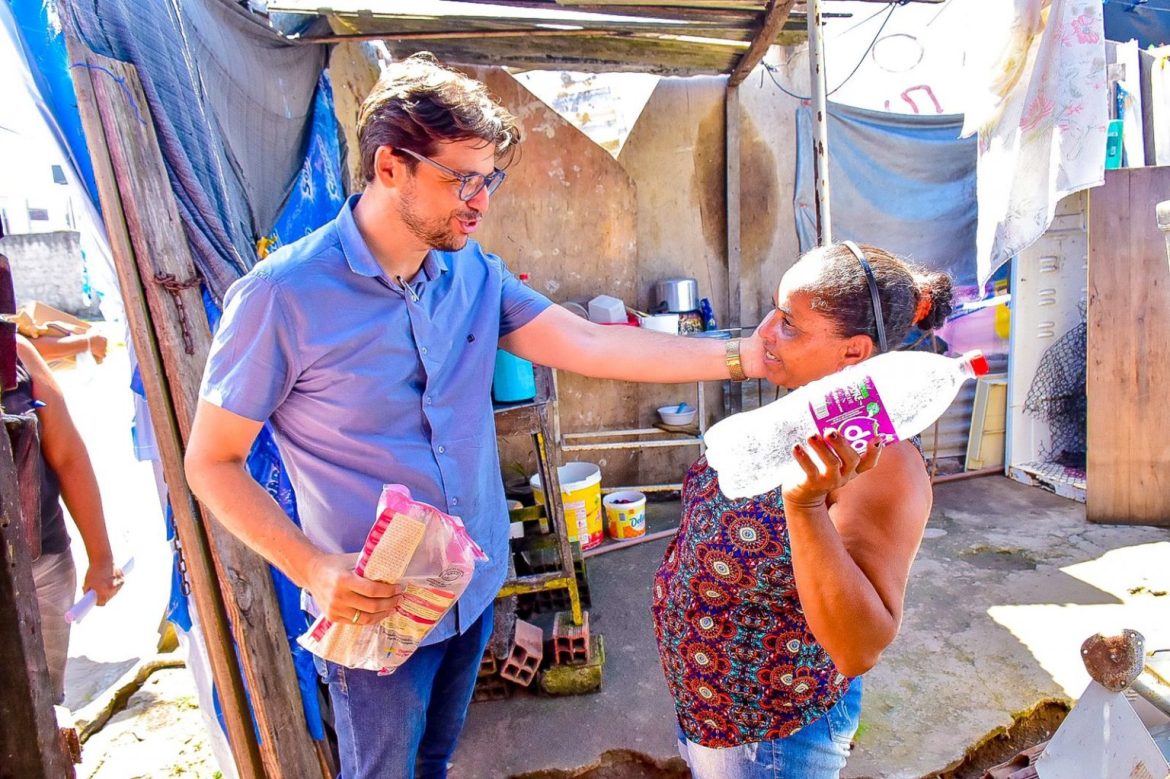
774,17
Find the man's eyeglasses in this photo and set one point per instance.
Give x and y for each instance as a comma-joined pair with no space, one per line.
470,184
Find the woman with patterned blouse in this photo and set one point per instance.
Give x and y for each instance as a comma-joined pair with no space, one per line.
769,609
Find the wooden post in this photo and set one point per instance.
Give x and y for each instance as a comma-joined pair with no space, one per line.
820,117
734,253
164,305
30,746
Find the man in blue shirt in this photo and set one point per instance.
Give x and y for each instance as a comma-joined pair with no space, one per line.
370,345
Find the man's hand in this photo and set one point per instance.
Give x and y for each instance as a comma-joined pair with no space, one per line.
340,594
104,578
751,355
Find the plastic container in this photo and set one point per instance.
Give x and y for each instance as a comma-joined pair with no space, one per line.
625,514
894,395
672,416
607,310
581,495
514,379
662,323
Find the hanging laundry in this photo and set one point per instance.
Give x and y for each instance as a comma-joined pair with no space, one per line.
1041,112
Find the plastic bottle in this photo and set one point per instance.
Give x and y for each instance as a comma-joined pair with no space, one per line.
896,395
514,380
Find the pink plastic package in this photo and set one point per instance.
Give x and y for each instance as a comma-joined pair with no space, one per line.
429,554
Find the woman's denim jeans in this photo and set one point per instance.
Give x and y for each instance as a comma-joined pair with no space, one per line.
816,751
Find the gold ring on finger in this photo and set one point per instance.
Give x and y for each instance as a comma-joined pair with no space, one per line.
356,614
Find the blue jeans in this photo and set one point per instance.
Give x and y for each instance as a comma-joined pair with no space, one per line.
816,751
406,724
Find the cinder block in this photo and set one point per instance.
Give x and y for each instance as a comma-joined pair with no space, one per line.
524,660
571,642
576,679
488,666
491,688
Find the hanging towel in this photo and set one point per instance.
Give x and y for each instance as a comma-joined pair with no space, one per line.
1041,112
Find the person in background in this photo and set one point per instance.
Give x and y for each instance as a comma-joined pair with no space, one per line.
769,609
69,476
60,347
370,345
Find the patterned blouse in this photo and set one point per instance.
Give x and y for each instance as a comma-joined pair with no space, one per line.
736,649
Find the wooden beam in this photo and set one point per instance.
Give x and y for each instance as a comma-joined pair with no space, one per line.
196,553
774,18
172,293
30,745
734,253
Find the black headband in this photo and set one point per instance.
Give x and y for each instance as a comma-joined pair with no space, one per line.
873,293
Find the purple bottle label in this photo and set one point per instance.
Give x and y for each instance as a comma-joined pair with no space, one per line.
856,412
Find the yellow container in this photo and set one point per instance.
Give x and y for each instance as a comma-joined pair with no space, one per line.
581,495
625,514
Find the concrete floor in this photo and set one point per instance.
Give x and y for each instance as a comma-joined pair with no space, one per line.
1008,583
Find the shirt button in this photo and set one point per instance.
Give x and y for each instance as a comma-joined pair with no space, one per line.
423,350
454,501
442,449
429,400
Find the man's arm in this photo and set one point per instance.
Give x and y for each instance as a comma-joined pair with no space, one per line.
215,464
65,453
560,339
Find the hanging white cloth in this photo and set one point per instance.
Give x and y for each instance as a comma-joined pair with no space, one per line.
1041,110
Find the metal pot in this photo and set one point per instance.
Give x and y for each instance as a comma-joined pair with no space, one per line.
676,295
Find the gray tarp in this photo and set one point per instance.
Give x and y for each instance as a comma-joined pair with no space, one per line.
902,182
231,101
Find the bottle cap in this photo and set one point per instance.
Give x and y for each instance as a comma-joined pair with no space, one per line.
978,363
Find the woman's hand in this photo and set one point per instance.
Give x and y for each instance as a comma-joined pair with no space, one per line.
839,464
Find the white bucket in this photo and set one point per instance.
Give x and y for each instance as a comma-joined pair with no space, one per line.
581,495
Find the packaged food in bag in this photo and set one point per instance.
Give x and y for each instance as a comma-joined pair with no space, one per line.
430,555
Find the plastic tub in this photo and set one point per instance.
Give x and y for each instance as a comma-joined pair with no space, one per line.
581,495
625,514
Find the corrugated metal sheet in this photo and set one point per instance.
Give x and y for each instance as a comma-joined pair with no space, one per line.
954,427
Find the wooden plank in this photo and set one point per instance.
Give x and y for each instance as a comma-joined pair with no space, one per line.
618,54
30,745
734,228
774,19
201,572
734,255
1128,361
176,313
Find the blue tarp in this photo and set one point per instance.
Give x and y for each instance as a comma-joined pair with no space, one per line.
230,100
902,182
1146,21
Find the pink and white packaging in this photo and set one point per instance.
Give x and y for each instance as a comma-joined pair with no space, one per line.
430,555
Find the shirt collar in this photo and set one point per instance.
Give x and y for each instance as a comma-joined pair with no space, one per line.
361,259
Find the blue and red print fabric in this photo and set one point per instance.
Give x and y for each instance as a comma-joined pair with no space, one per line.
738,655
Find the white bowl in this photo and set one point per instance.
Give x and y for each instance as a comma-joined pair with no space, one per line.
662,323
670,415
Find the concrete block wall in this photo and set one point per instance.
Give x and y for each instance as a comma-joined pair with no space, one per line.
48,267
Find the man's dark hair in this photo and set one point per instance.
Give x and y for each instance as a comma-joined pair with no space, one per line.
418,103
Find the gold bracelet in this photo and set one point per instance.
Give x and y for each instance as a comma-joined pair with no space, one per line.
731,358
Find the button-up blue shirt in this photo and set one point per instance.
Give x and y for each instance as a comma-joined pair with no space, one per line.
367,384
